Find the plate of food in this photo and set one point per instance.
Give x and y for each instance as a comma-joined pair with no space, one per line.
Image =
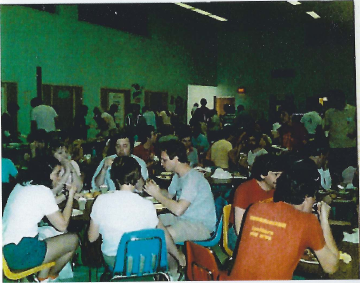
309,257
159,206
164,177
152,199
166,173
77,212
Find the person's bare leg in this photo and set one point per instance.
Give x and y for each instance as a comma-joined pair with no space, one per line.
59,249
171,247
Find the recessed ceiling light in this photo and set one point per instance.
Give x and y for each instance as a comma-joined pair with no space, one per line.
294,2
313,14
202,12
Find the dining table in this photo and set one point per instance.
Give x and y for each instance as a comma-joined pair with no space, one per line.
344,224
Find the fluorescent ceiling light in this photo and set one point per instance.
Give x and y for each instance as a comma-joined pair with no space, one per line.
294,2
313,14
184,5
218,18
202,12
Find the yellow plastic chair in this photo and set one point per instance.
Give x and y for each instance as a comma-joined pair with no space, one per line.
226,216
22,274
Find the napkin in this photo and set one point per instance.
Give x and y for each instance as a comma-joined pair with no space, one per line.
221,174
352,238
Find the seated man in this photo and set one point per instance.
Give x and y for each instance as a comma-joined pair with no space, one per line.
266,169
219,150
123,144
192,214
146,150
124,211
279,232
192,154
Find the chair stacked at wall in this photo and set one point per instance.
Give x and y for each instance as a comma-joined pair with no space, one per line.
12,275
141,253
226,216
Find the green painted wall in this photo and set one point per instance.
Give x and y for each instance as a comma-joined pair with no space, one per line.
169,59
82,54
246,59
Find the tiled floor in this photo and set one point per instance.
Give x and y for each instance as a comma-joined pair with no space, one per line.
81,273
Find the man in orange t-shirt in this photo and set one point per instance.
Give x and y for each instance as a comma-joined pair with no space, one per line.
275,235
265,171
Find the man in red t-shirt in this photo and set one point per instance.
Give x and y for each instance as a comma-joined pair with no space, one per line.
145,150
275,235
265,171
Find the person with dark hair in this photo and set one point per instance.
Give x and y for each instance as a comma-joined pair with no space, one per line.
167,133
213,126
283,229
123,144
200,141
80,128
228,119
124,211
9,123
70,173
265,171
43,117
192,153
109,118
146,150
149,116
201,116
28,203
293,135
340,121
192,214
38,141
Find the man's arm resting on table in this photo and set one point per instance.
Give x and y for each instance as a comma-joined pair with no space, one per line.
239,214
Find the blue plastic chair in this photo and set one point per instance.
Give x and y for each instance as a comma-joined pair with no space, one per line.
220,202
141,253
213,240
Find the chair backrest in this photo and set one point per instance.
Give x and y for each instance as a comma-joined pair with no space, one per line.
22,274
141,252
226,216
201,263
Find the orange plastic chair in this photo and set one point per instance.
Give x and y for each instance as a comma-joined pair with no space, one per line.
201,264
22,274
226,217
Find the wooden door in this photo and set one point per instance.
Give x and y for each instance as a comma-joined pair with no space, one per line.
219,103
64,99
156,100
9,93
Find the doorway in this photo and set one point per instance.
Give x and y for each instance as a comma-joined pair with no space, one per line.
64,100
219,103
196,92
156,101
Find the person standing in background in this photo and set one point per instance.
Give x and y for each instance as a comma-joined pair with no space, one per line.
340,121
149,116
43,116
